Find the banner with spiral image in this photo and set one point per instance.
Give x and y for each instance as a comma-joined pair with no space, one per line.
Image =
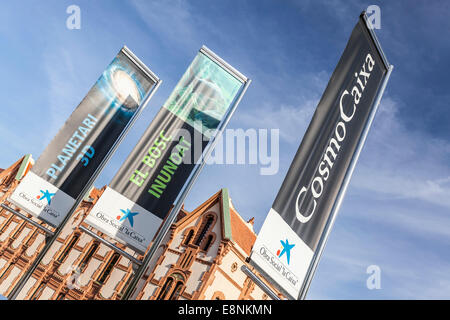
59,175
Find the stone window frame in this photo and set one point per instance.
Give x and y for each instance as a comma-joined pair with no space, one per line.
67,247
176,278
109,266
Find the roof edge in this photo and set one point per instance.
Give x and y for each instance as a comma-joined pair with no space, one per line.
226,214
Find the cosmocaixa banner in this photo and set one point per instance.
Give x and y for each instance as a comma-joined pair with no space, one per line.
291,233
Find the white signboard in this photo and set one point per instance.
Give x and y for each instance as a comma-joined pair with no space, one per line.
281,254
42,199
122,219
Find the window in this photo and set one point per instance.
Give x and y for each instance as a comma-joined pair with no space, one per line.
88,256
189,237
109,267
202,232
176,291
172,288
186,259
60,296
165,289
125,286
67,249
6,270
6,223
18,231
37,293
208,242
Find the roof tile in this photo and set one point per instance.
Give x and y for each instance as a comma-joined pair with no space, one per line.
241,233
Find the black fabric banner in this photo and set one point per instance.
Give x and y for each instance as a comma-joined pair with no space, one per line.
89,133
160,164
312,183
154,173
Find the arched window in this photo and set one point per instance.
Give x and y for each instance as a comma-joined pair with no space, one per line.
189,237
171,289
165,289
67,249
208,242
176,292
109,267
202,232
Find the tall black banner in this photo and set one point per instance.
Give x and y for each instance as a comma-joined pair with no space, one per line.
81,145
309,191
156,170
149,181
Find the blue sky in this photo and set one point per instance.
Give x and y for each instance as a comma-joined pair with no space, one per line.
396,212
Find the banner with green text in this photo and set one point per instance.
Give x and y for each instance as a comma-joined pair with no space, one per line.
142,192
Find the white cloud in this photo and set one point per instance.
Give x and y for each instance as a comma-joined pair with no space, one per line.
395,215
403,163
291,120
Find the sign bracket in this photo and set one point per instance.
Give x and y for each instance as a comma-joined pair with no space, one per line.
260,283
51,239
30,221
110,245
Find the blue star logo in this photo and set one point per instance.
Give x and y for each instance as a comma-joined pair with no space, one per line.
127,214
286,249
47,195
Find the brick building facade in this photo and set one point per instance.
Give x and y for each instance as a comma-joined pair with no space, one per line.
200,258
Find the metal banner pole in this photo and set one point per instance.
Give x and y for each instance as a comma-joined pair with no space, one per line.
30,221
51,239
260,283
329,225
180,200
